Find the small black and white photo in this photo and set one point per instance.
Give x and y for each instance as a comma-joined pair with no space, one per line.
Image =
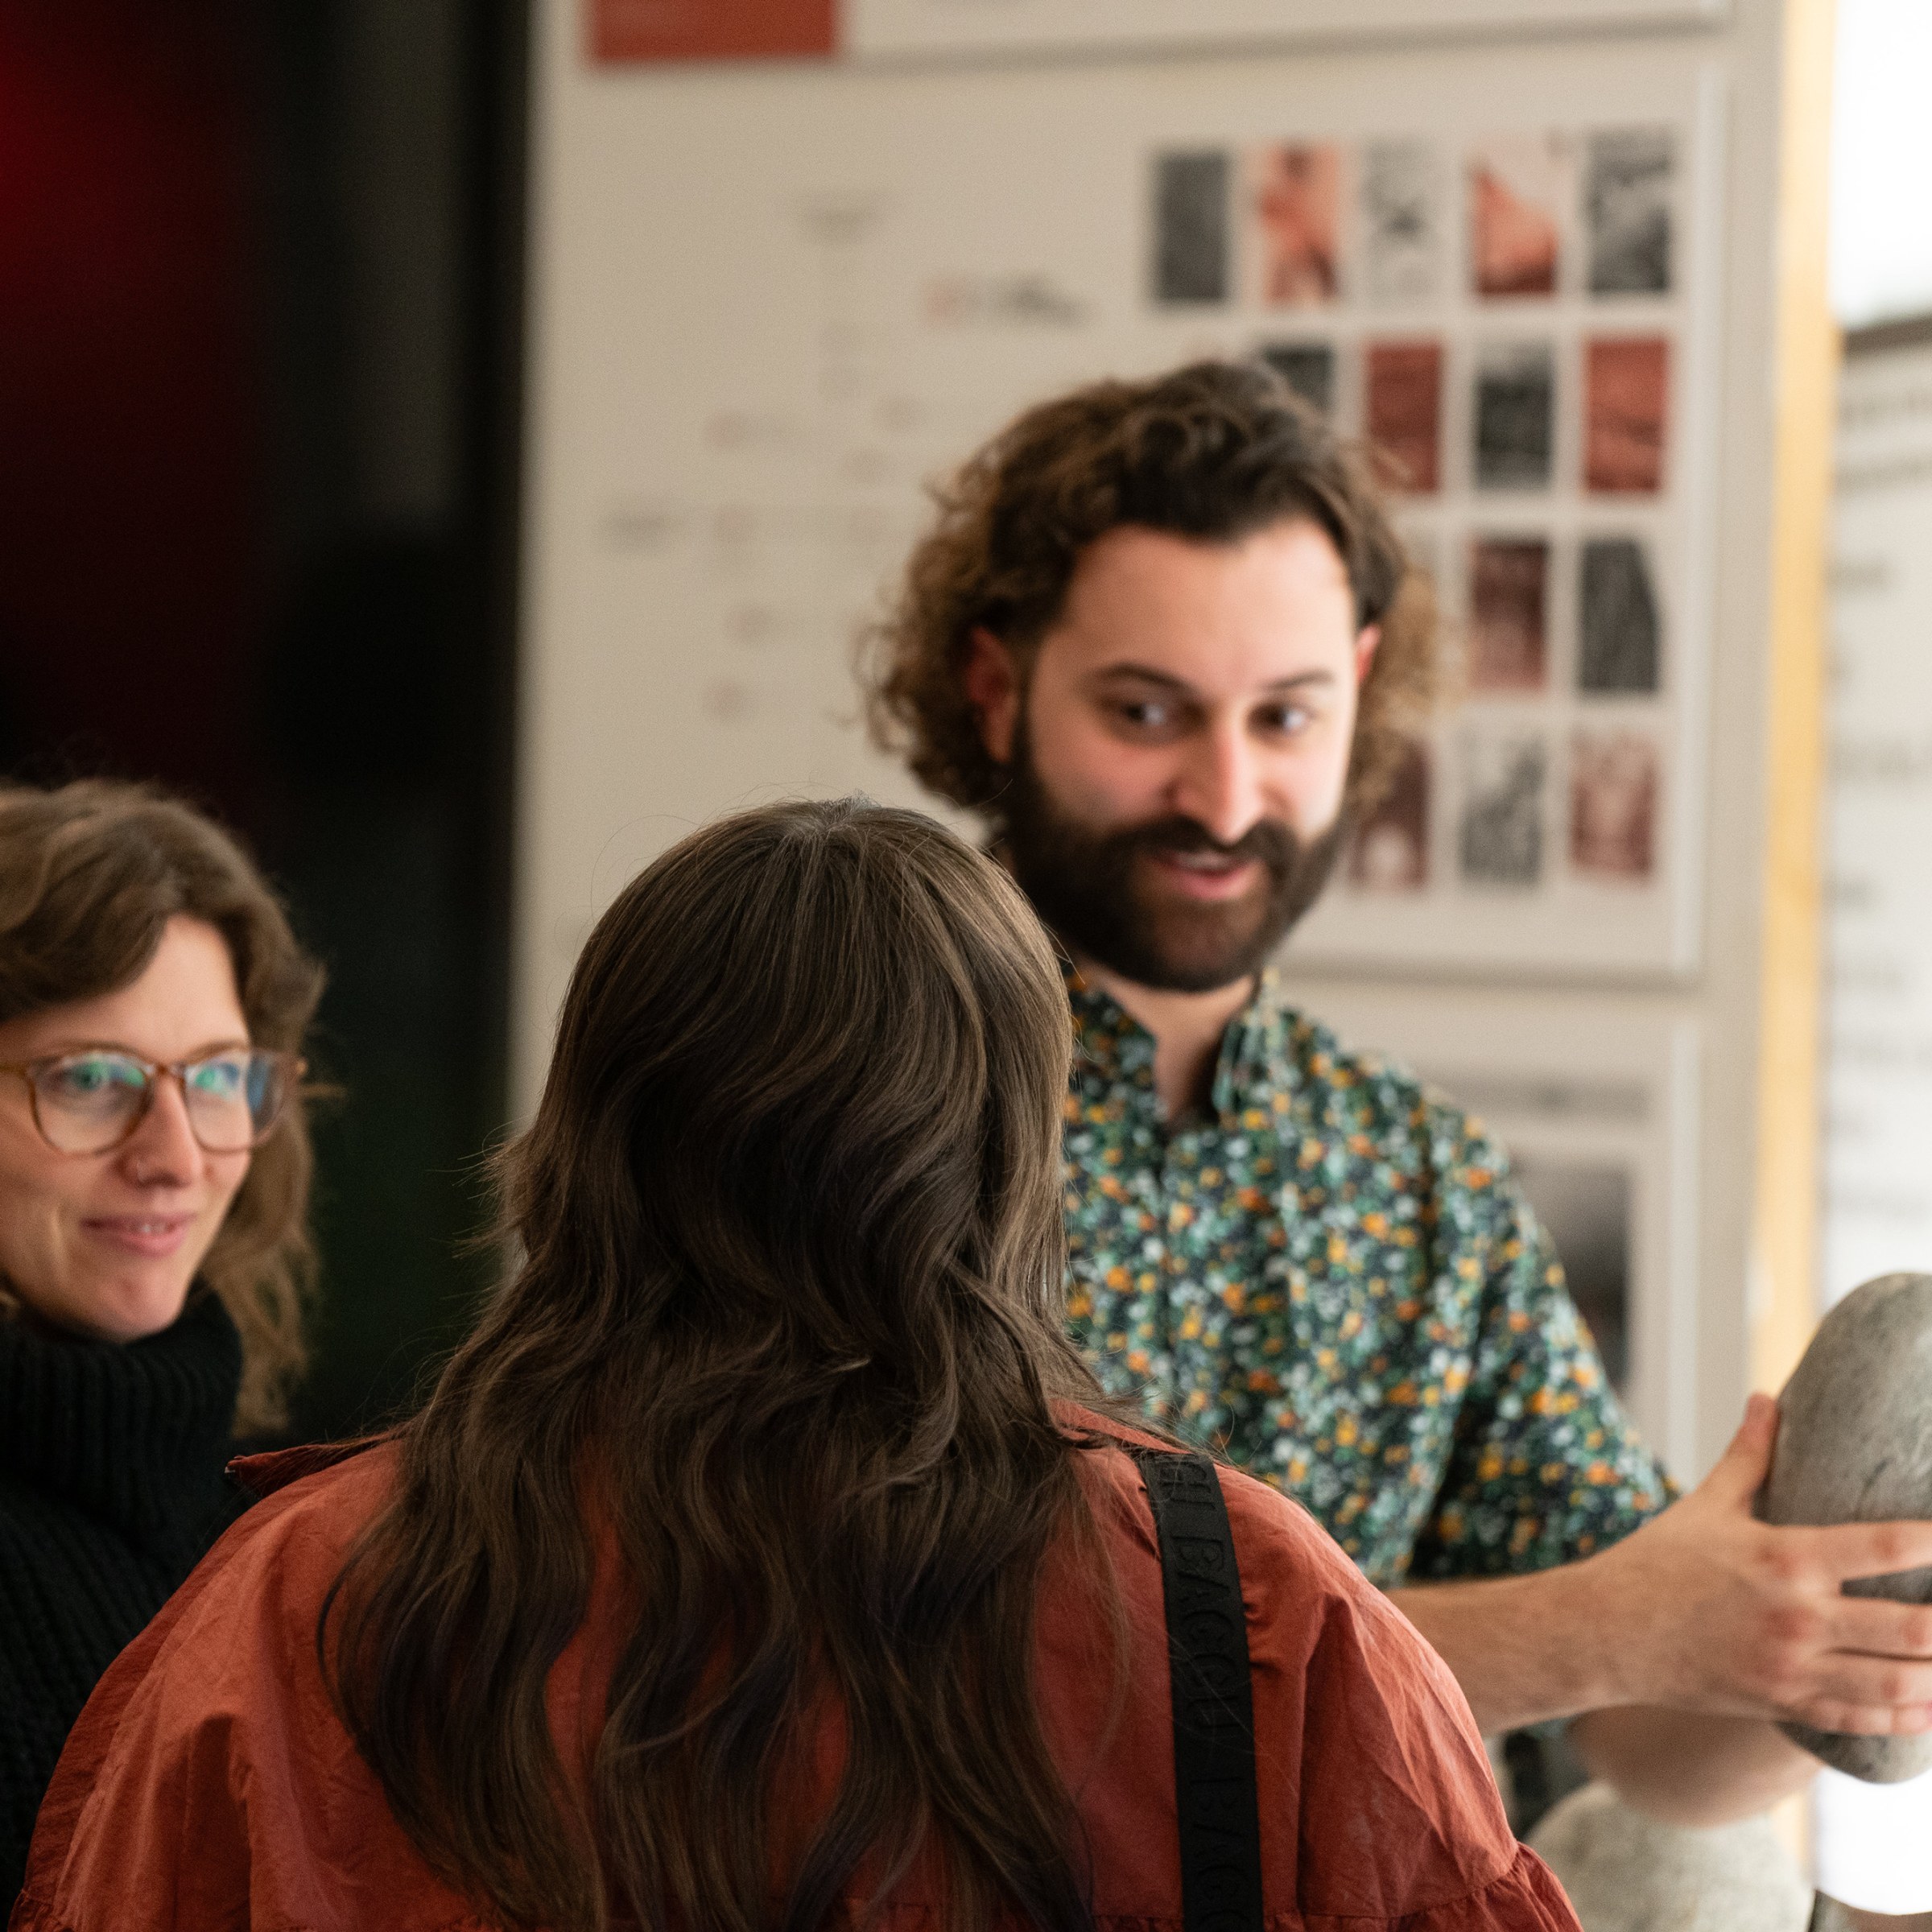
1192,245
1307,368
1627,194
1402,221
1619,642
1500,831
1515,416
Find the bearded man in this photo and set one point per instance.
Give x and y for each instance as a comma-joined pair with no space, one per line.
1164,640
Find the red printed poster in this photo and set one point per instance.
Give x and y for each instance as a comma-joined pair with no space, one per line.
1405,410
1626,413
709,29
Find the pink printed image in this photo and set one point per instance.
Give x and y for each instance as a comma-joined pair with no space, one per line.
1298,215
1518,186
1626,413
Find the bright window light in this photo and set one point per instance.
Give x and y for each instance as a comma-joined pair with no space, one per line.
1881,161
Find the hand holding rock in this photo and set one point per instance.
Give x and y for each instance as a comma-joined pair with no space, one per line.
1854,1447
1708,1608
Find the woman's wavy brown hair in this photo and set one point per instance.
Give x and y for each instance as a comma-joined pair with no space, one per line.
1215,451
90,874
783,1345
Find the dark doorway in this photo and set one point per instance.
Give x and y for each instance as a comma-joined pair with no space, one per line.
260,294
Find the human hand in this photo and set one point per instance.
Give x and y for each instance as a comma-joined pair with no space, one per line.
1706,1608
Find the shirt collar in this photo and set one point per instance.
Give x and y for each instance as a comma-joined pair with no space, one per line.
1106,1037
1254,1054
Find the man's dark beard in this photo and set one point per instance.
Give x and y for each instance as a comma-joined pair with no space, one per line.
1088,887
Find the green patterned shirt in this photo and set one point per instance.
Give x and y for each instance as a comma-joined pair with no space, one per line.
1330,1276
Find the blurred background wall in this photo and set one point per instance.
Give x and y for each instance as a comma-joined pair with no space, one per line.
1881,160
260,291
259,281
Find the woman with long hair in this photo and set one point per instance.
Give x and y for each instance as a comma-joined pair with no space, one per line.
764,1560
153,1237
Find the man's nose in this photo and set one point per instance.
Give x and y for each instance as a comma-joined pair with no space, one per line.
163,1149
1220,787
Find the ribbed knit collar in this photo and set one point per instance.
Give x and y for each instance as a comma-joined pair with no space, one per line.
133,1432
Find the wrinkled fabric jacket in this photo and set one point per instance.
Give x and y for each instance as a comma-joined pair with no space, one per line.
210,1785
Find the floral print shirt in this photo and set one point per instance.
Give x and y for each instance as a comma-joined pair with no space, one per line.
1330,1276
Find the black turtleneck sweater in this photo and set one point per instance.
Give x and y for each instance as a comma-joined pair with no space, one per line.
111,1489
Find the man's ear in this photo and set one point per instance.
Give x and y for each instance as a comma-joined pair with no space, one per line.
1366,639
992,689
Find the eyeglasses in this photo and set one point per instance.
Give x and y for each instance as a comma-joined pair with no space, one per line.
92,1099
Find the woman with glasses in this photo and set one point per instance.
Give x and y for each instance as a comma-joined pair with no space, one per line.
764,1561
154,1188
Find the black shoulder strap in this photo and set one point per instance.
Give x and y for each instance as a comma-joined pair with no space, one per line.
1213,1699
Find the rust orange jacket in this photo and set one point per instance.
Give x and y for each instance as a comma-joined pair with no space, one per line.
209,1784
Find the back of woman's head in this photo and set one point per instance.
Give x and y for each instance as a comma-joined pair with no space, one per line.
805,1098
90,874
785,1337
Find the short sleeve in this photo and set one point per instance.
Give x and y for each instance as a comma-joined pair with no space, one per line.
1545,1466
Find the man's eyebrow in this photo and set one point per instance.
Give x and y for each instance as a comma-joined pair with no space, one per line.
1145,673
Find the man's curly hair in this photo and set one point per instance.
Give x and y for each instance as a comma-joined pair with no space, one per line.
1215,451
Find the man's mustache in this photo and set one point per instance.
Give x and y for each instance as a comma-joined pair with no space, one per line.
1266,840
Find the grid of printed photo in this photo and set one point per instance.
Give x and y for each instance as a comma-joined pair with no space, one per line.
1502,319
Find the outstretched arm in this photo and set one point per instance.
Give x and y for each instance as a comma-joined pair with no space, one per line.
1685,1640
1687,1768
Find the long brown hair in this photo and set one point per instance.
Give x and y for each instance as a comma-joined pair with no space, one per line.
789,1312
1214,451
90,874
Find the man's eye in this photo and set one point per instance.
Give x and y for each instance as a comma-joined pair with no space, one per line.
1283,720
1147,715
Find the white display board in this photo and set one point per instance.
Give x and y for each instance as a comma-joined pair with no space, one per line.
1878,1140
1874,1844
776,302
1552,821
927,27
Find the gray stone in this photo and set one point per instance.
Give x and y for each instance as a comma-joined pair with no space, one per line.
1828,1915
1855,1446
1625,1872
